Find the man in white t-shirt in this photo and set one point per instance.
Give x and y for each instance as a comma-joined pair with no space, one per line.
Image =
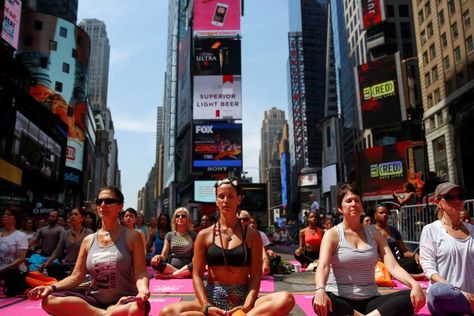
314,204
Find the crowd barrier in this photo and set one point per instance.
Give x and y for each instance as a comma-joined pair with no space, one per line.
410,220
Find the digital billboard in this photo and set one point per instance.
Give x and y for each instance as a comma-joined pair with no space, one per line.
373,12
217,97
379,93
184,107
216,18
384,169
214,57
204,191
329,174
283,176
217,145
11,22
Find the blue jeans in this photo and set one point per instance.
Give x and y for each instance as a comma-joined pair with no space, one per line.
445,299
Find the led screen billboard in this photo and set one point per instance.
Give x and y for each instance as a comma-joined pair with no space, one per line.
217,145
216,18
215,57
379,93
373,12
384,169
283,175
204,191
11,22
217,97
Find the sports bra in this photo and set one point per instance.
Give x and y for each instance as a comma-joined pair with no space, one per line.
313,239
236,257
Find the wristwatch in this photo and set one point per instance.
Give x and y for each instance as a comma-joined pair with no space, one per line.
319,288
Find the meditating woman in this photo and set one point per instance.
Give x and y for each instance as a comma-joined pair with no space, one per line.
408,260
129,219
233,253
345,277
176,258
447,255
156,238
114,258
310,241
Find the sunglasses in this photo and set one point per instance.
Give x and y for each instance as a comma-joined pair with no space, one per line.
106,201
234,183
180,216
245,219
452,197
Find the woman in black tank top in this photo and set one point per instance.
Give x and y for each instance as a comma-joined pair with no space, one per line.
233,253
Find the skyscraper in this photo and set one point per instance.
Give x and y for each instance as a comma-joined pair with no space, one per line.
64,9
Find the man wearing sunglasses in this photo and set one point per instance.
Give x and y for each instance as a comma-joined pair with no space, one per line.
447,254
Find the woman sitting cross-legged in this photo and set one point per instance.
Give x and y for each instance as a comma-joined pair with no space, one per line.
176,257
310,241
114,258
233,253
345,277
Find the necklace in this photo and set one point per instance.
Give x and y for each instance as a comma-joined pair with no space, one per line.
229,236
455,227
243,242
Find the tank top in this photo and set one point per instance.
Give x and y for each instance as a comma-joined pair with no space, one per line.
352,272
313,239
236,257
111,268
159,243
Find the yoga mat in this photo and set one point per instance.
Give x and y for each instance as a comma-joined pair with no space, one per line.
423,312
150,271
158,286
25,308
400,286
267,284
305,302
157,303
9,300
296,262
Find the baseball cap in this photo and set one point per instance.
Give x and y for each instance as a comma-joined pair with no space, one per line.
444,188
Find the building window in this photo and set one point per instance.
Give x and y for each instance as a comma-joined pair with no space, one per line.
457,55
428,79
74,53
38,25
441,17
430,101
460,79
427,8
452,7
28,41
53,45
449,87
425,58
466,18
469,45
429,29
421,17
63,31
432,51
446,62
437,96
390,11
444,40
440,158
403,11
405,28
454,30
43,62
58,86
434,73
423,37
66,68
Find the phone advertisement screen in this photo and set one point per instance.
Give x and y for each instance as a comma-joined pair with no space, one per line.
216,18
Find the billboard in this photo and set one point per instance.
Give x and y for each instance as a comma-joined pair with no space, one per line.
11,22
204,191
379,92
216,57
309,179
217,145
329,175
284,181
217,97
184,108
254,197
384,169
373,12
216,18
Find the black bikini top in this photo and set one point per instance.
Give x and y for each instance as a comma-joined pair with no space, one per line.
235,257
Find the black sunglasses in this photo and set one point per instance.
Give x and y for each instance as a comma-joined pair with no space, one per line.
245,219
180,216
452,197
106,201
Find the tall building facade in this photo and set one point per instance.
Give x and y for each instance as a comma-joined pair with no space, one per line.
64,9
444,38
307,85
98,81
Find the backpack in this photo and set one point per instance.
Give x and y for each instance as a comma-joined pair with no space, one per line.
15,283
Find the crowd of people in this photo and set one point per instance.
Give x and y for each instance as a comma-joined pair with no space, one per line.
227,255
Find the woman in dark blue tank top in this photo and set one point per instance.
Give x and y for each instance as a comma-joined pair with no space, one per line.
233,253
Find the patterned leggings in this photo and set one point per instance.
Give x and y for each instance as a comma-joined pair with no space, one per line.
226,297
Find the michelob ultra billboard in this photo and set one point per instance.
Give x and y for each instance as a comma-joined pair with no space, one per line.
379,92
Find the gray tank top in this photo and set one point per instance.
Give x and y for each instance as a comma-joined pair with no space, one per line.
352,273
111,268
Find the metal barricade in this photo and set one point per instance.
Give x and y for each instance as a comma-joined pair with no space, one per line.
412,219
469,205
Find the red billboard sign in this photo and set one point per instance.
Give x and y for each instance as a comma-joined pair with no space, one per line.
373,12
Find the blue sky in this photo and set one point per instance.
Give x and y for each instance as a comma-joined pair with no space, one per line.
137,31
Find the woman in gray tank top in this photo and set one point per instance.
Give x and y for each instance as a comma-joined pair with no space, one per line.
345,278
114,258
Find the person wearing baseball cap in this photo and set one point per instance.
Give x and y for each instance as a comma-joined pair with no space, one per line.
447,253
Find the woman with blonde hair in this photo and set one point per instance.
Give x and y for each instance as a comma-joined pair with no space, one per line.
175,260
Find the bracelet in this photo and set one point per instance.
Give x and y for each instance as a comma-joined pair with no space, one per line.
54,288
205,309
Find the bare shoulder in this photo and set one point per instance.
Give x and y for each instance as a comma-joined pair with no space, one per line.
205,234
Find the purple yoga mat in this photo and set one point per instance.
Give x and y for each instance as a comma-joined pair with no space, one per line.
25,308
157,303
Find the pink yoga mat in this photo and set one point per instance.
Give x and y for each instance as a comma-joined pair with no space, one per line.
158,286
423,312
157,303
9,300
25,308
267,284
305,302
400,286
